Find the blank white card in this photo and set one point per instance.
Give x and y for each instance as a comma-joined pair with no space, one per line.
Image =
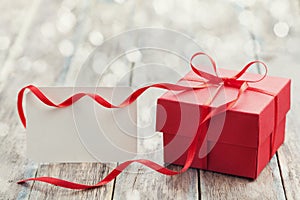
84,131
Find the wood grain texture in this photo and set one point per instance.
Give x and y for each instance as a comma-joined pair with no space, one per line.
287,65
141,184
86,173
37,54
222,186
266,186
282,57
12,149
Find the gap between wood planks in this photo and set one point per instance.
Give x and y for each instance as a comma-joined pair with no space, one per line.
11,53
78,36
205,192
255,53
61,79
132,65
281,176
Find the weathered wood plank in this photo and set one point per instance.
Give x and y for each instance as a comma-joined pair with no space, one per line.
232,51
282,56
40,65
217,186
139,182
147,184
288,157
13,161
88,173
266,186
286,65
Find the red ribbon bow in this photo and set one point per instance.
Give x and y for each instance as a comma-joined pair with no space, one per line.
234,81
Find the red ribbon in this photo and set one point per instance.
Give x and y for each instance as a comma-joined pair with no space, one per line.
211,79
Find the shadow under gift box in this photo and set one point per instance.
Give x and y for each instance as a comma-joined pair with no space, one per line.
240,141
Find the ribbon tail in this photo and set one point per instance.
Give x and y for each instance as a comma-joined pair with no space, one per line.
112,175
100,100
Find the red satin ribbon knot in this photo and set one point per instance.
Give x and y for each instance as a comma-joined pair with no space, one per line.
211,79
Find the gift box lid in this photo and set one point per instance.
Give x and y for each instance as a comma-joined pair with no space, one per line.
248,123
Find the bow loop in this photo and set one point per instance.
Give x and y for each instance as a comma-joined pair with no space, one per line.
212,78
234,81
243,71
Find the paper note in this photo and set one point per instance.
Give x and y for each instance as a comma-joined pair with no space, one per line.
84,131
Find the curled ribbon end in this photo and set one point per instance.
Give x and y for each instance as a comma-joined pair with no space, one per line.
21,182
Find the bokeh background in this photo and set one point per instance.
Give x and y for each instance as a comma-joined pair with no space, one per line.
41,34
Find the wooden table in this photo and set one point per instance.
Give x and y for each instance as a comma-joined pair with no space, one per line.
46,42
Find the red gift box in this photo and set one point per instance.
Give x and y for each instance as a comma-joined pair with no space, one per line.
240,141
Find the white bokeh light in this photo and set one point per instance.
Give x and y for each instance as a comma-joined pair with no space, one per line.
134,56
66,48
66,20
96,38
281,29
119,68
